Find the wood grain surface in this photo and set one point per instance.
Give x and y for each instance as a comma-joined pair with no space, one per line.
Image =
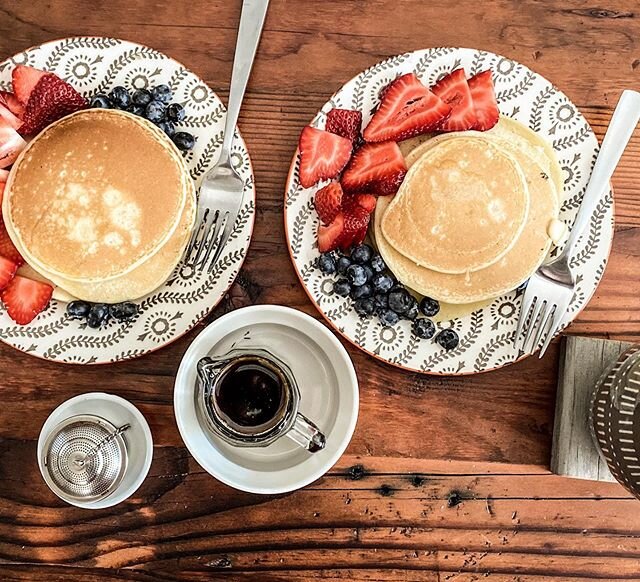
446,479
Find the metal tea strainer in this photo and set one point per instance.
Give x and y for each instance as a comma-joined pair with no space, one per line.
85,458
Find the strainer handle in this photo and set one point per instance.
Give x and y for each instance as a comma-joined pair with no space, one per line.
106,440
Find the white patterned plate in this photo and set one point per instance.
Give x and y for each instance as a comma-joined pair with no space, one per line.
486,335
93,64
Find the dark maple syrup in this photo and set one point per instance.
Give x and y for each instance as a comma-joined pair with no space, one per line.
250,393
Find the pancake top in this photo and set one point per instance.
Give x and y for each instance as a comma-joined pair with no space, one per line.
460,208
96,194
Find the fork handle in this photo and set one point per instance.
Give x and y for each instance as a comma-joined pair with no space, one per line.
251,23
623,122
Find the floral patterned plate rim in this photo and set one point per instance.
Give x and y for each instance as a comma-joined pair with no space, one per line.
486,335
96,64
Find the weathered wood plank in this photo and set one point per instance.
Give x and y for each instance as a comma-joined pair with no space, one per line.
582,362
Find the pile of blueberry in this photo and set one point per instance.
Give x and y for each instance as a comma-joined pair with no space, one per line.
97,314
153,104
375,291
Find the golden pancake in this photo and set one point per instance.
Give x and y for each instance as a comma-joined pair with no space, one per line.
461,206
95,196
140,281
512,269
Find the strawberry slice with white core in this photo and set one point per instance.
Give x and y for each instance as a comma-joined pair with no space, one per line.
329,236
328,202
407,109
24,79
484,101
8,119
25,298
11,144
454,91
4,176
12,103
376,168
322,155
7,272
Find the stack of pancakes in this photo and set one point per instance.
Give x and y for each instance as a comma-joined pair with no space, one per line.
476,214
101,204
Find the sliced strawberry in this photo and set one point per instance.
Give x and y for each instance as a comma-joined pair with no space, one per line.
378,168
24,80
50,100
12,103
11,144
7,248
329,236
454,90
407,109
356,222
484,101
322,155
8,119
7,271
4,176
2,186
25,298
328,202
344,122
367,201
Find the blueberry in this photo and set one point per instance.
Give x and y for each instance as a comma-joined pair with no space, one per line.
357,275
185,141
423,328
137,110
377,264
101,100
168,127
98,314
429,307
400,300
389,317
120,97
175,112
381,301
342,287
361,254
382,283
365,306
343,264
155,111
448,339
123,311
412,312
78,309
162,93
142,97
361,291
326,263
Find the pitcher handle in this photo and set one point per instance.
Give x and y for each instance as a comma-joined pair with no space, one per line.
306,434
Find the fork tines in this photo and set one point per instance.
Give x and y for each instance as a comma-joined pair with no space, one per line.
205,241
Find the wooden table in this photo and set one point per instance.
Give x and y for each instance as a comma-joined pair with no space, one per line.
446,478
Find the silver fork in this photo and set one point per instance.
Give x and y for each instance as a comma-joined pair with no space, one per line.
551,287
221,192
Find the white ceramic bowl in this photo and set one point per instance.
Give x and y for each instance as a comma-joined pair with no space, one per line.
328,396
117,411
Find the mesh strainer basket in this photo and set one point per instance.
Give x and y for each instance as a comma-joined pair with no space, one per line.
85,458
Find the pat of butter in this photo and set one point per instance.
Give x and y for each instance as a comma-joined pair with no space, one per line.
557,231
